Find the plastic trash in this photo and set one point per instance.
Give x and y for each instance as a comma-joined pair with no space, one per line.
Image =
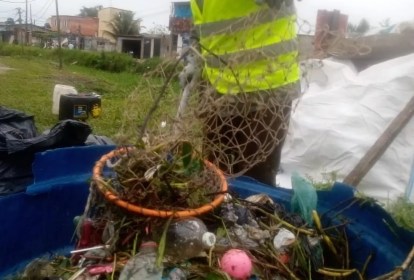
237,214
313,246
88,234
38,269
283,239
245,236
304,198
177,274
19,141
282,242
58,91
187,238
100,269
143,265
237,264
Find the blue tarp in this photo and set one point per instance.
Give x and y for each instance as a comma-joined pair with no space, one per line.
40,221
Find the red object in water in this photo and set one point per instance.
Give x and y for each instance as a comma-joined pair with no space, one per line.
89,235
284,258
100,269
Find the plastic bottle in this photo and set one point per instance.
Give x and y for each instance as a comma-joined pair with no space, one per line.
187,238
143,265
177,274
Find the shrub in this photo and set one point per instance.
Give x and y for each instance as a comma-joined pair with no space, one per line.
157,67
16,50
106,61
111,62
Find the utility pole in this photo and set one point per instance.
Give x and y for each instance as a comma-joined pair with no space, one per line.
26,31
31,24
19,12
58,30
19,31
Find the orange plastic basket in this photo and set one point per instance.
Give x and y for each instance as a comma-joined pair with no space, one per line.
97,177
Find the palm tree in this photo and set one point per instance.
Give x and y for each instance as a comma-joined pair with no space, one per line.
360,29
90,11
124,24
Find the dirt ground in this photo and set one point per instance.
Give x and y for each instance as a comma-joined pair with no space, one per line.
4,68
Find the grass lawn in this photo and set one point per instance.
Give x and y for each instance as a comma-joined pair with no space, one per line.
126,97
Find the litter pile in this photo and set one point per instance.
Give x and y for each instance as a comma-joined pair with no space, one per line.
163,213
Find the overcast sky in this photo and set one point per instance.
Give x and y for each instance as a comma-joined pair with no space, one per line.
157,11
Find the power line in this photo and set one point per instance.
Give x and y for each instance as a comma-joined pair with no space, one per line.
16,2
43,7
5,12
45,10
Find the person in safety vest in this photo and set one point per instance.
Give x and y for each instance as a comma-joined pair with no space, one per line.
250,75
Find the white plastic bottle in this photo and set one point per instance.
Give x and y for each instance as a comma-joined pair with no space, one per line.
187,238
57,92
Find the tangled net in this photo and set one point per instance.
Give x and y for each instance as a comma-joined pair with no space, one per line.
172,177
238,129
241,126
242,131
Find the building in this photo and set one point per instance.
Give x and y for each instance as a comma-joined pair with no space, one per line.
6,32
180,26
76,25
329,25
105,16
17,33
143,45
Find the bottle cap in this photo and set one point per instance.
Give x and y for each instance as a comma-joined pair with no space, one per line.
208,239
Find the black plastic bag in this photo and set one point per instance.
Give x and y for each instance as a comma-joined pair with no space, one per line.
19,141
64,134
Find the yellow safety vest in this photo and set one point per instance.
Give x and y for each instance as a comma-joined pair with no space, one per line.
247,47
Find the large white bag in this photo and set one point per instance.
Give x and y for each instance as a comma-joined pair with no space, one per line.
342,115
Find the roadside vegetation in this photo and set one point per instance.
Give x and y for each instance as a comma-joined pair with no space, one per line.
127,86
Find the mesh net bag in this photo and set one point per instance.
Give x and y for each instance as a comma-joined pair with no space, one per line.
238,124
245,97
242,131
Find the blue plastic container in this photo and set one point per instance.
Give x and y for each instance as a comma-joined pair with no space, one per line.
39,222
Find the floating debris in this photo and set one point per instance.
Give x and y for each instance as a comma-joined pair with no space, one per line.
252,238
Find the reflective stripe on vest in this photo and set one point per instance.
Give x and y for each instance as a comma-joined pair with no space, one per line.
249,48
239,24
249,55
259,75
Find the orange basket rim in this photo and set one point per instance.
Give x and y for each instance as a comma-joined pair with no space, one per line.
136,209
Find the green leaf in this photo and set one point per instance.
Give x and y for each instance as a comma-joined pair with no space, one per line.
186,153
195,167
221,232
162,243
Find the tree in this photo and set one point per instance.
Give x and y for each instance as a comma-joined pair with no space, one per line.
10,21
90,12
158,29
385,23
124,24
363,26
360,29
